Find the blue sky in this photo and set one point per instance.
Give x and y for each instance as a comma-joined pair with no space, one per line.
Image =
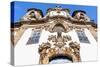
20,8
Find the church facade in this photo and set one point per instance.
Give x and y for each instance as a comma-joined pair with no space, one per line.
39,39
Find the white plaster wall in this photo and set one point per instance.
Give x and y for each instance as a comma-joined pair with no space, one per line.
28,54
88,52
25,54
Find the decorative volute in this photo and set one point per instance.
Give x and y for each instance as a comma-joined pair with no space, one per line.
32,14
80,16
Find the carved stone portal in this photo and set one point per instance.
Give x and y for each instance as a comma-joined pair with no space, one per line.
58,47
